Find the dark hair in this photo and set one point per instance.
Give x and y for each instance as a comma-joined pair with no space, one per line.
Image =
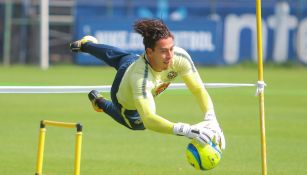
152,30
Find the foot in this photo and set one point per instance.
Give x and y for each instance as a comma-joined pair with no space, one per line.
95,97
76,46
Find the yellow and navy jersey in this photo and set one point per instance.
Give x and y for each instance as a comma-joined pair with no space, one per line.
141,84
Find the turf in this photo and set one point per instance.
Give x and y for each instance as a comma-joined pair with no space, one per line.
111,149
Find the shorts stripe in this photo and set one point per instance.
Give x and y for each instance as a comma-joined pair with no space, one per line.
125,118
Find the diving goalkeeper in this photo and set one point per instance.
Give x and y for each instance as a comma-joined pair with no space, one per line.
140,78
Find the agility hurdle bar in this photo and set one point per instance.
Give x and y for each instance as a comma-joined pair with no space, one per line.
41,143
106,88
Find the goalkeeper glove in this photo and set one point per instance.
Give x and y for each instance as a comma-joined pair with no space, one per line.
210,122
201,134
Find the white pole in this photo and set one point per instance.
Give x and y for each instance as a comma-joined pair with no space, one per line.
7,33
44,32
106,88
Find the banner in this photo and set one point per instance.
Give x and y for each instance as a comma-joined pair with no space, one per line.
198,38
228,38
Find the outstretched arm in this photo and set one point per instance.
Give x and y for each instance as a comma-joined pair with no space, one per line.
197,88
151,120
195,85
154,122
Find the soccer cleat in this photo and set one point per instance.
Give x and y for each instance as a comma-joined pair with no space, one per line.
95,97
76,46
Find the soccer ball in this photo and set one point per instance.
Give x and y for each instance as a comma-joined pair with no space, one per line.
203,157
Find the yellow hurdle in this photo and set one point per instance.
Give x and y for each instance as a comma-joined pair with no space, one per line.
41,144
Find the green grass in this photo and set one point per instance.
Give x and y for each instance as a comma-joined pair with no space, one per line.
111,149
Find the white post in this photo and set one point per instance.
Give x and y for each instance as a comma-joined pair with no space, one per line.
7,33
44,34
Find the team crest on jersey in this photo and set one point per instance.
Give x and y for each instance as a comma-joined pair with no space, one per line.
171,75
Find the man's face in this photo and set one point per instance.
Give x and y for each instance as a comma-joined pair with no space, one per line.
161,57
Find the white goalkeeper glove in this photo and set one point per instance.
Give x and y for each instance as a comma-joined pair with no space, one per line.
210,122
201,134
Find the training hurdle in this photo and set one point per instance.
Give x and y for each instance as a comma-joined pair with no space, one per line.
41,143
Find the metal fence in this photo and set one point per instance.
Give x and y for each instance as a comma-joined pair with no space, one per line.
20,31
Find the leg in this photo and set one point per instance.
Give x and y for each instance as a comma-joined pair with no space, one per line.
100,104
129,118
109,108
109,54
133,119
113,56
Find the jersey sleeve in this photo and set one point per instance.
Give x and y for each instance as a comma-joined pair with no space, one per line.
145,105
196,86
191,78
150,119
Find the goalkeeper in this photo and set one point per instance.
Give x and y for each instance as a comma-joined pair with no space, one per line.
140,78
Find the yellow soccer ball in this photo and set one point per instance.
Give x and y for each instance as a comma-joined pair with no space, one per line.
203,157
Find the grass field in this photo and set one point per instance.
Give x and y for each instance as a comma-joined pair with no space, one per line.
111,149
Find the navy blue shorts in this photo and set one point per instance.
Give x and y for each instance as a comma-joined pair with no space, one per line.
120,60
